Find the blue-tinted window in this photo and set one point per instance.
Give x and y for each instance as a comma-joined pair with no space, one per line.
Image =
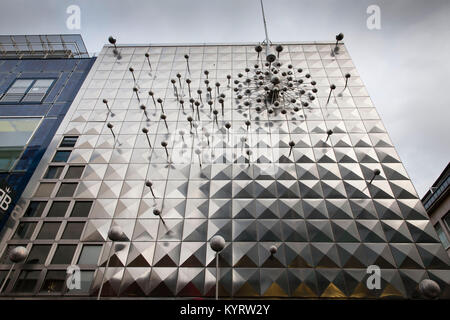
27,90
68,142
16,92
61,156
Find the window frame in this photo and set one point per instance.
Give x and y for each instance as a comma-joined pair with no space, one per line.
27,271
39,202
441,230
63,246
51,234
72,167
34,80
43,281
30,233
81,202
68,137
25,145
80,255
53,162
70,227
57,167
444,220
53,206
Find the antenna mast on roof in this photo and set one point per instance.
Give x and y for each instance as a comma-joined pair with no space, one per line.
270,56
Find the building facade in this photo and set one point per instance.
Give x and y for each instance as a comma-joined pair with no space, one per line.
437,203
286,159
39,78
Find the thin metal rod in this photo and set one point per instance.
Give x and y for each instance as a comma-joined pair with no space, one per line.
149,64
265,28
7,277
217,276
106,269
149,143
113,134
329,96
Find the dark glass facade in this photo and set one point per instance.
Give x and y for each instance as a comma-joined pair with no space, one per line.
35,94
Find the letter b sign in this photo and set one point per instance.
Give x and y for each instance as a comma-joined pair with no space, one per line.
5,200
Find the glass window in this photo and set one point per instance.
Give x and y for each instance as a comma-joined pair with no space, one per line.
16,132
45,189
35,209
48,230
16,92
58,209
54,281
38,91
53,172
27,281
442,236
14,136
41,85
38,254
24,230
64,254
74,172
3,274
61,156
90,254
68,142
66,189
81,209
8,158
447,221
20,86
86,280
73,230
27,90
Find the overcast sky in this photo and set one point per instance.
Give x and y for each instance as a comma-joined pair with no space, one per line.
404,65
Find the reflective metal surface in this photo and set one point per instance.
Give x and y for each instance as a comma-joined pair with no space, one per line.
313,199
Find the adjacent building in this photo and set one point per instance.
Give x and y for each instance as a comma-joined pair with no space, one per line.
39,78
284,157
437,203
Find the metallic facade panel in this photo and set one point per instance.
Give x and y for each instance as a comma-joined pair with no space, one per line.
298,176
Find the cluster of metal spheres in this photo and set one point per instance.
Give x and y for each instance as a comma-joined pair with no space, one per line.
270,88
